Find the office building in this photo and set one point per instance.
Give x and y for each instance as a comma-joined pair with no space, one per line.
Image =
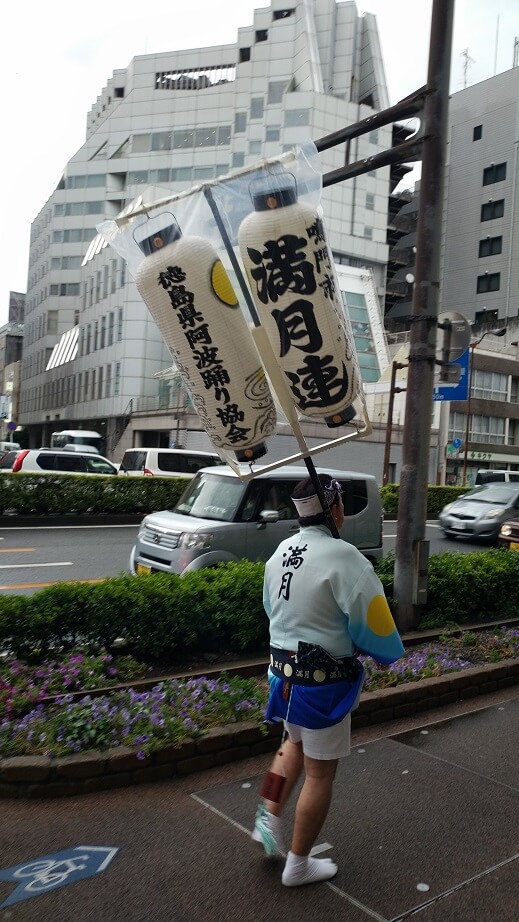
301,70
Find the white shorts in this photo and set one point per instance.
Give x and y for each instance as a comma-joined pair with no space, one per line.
330,743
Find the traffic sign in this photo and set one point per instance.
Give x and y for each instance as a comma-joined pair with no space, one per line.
459,390
12,426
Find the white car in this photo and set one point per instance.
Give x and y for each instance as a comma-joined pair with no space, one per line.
165,462
55,461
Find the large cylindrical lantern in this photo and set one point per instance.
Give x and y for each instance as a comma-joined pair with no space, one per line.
189,294
293,282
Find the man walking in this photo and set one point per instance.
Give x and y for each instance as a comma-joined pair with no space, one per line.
325,603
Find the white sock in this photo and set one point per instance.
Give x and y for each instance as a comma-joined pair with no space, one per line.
302,869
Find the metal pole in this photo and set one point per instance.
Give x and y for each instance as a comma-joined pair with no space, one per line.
469,412
389,428
411,547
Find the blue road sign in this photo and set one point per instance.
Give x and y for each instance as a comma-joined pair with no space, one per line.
456,444
460,390
39,875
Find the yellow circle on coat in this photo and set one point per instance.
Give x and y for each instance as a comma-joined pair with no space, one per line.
287,669
319,675
380,619
221,285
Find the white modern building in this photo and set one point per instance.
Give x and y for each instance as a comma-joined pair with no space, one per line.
301,70
481,268
481,236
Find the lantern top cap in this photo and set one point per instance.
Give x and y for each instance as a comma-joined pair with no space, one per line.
270,199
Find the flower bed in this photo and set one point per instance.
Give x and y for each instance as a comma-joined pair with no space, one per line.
175,710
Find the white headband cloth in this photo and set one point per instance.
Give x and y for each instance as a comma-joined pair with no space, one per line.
311,505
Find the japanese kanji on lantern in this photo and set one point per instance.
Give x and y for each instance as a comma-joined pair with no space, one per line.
290,271
189,294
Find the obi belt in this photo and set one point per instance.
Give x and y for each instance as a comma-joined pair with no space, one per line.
312,689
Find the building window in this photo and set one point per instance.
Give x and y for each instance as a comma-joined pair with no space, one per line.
120,324
490,246
491,281
275,91
490,385
368,232
296,117
244,55
373,136
256,107
255,147
238,160
240,122
485,316
262,35
496,172
117,380
370,201
52,322
491,210
282,14
477,133
111,321
272,134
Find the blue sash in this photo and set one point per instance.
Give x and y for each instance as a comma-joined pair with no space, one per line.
313,707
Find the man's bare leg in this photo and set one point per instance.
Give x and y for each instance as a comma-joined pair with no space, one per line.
311,811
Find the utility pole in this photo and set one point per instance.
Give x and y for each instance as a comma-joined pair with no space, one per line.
412,550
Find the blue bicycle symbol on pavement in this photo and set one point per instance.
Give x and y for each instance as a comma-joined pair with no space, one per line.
52,871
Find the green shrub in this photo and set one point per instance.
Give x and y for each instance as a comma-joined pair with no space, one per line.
437,498
170,619
62,494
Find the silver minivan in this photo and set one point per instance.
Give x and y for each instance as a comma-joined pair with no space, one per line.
219,519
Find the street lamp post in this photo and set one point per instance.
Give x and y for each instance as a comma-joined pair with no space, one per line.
389,428
472,347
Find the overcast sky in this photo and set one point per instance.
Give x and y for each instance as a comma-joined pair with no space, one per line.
55,58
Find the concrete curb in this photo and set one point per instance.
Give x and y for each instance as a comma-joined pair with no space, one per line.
87,772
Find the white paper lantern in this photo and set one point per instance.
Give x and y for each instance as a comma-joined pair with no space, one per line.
295,288
188,292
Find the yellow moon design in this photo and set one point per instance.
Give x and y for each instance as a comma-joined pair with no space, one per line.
380,619
221,285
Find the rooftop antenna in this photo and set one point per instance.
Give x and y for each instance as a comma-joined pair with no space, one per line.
495,52
468,60
516,51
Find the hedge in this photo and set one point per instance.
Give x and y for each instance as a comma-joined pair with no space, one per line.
60,494
167,618
437,498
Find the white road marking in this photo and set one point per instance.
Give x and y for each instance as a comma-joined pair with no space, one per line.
27,566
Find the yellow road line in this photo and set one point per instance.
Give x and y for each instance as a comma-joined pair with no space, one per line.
44,585
16,550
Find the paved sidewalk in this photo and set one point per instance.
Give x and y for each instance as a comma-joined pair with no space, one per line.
425,822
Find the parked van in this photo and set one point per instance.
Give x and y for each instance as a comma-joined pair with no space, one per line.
78,440
219,519
165,462
9,446
487,476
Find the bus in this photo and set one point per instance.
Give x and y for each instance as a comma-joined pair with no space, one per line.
78,440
